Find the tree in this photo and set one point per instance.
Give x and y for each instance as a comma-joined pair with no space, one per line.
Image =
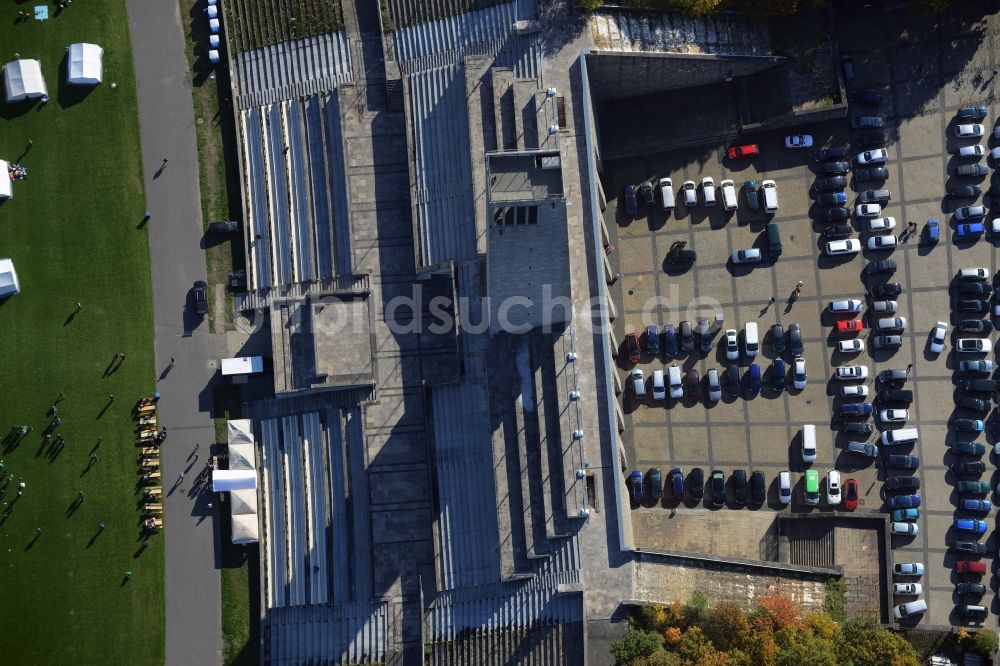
863,643
659,658
635,643
783,611
802,646
695,609
726,626
694,646
984,642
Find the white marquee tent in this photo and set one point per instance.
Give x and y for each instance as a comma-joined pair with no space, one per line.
224,480
6,185
22,79
243,507
241,450
84,64
8,279
242,467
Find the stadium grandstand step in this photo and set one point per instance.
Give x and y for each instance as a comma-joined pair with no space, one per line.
261,298
503,107
337,633
550,449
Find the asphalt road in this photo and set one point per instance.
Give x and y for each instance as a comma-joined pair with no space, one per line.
170,164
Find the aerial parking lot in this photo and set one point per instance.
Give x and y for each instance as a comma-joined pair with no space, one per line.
916,81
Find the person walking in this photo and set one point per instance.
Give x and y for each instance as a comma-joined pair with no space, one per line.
93,458
100,527
111,397
79,306
171,364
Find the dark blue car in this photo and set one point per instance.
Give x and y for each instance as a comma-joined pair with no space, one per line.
754,372
677,482
903,501
778,378
635,485
856,409
631,201
669,341
652,341
829,154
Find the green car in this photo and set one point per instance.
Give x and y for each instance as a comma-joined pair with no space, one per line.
974,487
905,514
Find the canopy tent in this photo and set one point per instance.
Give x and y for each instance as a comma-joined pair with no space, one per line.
240,431
8,279
6,184
22,79
243,508
233,479
241,456
84,64
242,365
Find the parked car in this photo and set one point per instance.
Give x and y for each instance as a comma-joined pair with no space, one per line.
967,425
971,589
970,525
848,326
648,196
964,191
838,230
868,210
676,480
972,171
740,152
778,376
795,340
857,427
740,493
975,274
732,344
693,384
825,154
224,227
970,213
938,335
670,346
863,449
784,487
973,345
967,448
733,377
831,199
894,415
970,567
975,405
833,487
758,487
635,483
903,501
895,396
932,231
855,410
977,505
752,192
798,141
891,324
880,196
886,242
859,391
982,290
631,201
893,376
652,340
965,131
200,293
853,346
753,374
659,387
840,247
869,97
968,468
879,224
851,495
837,168
907,589
632,345
714,387
870,173
907,529
831,215
897,461
906,514
886,290
799,377
969,230
846,306
972,306
856,373
908,569
867,122
777,339
902,483
686,336
847,66
975,151
973,487
977,366
830,184
690,190
870,139
749,256
974,113
696,484
971,547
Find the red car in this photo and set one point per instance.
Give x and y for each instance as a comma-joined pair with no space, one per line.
739,152
851,494
965,566
632,345
849,326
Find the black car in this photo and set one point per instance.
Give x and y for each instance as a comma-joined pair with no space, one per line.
964,191
863,428
881,266
669,341
838,214
972,610
655,480
869,97
886,290
977,385
696,484
902,483
224,227
972,170
694,384
867,122
830,184
983,289
687,336
200,293
778,376
875,196
835,168
648,197
972,468
758,489
740,490
871,173
735,383
838,231
631,200
972,305
718,484
752,191
795,340
980,326
974,404
977,589
825,154
895,395
778,339
973,547
870,139
903,462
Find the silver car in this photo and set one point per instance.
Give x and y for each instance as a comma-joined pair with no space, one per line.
714,387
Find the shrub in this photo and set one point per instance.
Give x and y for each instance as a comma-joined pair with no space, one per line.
634,644
984,642
835,603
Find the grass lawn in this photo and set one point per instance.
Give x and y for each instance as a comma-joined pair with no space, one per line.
73,232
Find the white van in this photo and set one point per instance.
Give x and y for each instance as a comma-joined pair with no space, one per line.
770,190
638,383
659,389
809,442
909,609
901,436
666,193
750,341
674,380
728,194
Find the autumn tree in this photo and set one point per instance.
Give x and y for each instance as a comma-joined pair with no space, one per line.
864,643
635,643
726,626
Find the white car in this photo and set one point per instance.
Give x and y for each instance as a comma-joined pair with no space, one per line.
938,335
974,346
859,391
966,213
851,373
995,153
714,387
798,141
886,242
977,150
851,346
888,307
690,189
676,387
799,376
894,415
905,528
750,256
908,569
977,274
879,224
995,227
847,246
968,130
732,345
891,324
708,190
868,210
851,305
875,156
666,192
638,382
785,487
659,388
907,588
833,487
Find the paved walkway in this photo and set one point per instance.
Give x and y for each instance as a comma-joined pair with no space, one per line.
193,611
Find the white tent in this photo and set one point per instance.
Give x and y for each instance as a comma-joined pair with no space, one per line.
22,79
233,479
6,184
241,456
243,508
84,64
8,278
240,431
